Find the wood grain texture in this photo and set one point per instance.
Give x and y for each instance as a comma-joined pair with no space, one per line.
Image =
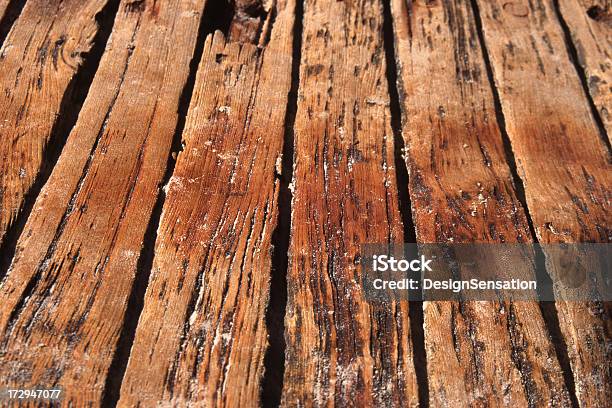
38,60
65,294
342,350
590,24
564,165
478,353
202,334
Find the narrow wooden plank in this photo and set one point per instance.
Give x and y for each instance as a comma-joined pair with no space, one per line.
478,353
64,298
590,24
202,334
38,60
564,165
342,350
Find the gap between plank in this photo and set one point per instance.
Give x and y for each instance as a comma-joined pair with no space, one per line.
274,359
13,11
415,308
70,106
208,24
580,72
548,309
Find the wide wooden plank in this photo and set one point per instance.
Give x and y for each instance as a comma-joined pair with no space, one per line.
342,350
38,60
202,335
482,353
590,25
65,296
563,162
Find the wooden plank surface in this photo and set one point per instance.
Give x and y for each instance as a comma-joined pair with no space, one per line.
3,7
66,293
461,189
564,164
341,349
202,335
590,25
38,60
9,10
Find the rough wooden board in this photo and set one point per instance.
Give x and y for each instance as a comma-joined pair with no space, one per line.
340,349
38,60
202,334
561,159
3,7
482,353
590,24
65,295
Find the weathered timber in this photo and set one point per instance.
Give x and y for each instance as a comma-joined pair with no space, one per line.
4,5
590,25
340,348
38,61
478,353
561,159
202,335
9,11
65,295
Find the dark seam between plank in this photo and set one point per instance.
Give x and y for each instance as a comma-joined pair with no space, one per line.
547,309
415,308
274,359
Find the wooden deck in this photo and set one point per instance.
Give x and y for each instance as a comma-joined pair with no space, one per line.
185,185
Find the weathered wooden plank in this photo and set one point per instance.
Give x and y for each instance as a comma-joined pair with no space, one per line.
202,334
3,7
8,12
64,298
590,25
478,353
38,60
342,350
564,164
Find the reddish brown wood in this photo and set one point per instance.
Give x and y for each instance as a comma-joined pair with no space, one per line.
64,298
3,7
342,350
561,159
478,353
590,25
202,335
38,60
